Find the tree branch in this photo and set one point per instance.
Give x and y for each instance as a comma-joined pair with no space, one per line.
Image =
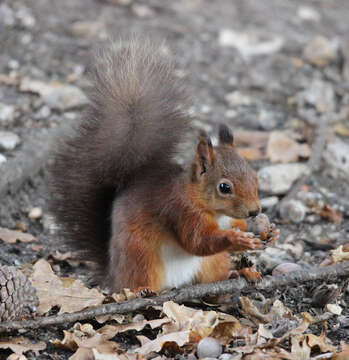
240,286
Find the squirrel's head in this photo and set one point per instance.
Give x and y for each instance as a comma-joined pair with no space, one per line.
224,179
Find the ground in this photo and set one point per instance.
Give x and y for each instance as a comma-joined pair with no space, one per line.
265,87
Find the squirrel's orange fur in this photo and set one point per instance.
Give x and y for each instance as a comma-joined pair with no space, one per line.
119,195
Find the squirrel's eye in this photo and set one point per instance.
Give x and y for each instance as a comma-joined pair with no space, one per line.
225,188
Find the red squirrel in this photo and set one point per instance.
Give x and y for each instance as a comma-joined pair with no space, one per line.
121,197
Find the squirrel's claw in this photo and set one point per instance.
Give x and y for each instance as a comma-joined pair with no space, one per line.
244,241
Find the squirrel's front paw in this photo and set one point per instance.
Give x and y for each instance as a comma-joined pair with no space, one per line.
241,241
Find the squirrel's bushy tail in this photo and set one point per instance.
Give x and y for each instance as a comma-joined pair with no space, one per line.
137,115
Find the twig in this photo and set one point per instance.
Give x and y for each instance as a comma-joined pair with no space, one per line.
237,286
314,161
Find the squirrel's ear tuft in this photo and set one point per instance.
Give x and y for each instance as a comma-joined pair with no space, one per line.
226,136
204,156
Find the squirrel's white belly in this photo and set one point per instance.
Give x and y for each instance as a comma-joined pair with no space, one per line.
224,222
180,267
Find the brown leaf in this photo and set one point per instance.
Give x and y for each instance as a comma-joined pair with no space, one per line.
282,148
69,294
11,236
20,345
341,129
179,337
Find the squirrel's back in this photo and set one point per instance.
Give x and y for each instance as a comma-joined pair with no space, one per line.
137,115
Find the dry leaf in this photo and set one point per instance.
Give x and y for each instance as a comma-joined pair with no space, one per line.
69,294
21,345
300,348
11,236
11,79
180,338
282,148
277,311
338,255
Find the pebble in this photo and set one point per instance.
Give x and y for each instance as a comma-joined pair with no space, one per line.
321,95
334,309
226,356
250,44
120,2
138,318
2,159
56,95
86,28
272,257
319,51
278,179
269,202
209,347
26,18
13,64
8,140
285,268
267,120
337,158
237,98
316,230
293,210
142,11
7,15
35,213
7,112
307,13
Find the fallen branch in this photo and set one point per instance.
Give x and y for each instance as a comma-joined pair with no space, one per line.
236,286
314,161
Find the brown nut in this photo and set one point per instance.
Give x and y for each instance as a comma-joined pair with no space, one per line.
259,225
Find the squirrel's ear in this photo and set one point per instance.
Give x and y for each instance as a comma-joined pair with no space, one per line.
204,156
225,135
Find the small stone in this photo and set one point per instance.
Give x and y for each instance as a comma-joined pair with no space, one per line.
13,64
209,347
7,112
86,28
56,95
142,11
26,18
267,120
138,318
35,213
319,51
250,44
269,202
8,140
226,356
272,257
119,2
286,268
278,179
337,158
316,230
293,210
334,309
237,98
307,13
321,95
2,159
7,15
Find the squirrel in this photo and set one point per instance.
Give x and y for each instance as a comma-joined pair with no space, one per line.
121,198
